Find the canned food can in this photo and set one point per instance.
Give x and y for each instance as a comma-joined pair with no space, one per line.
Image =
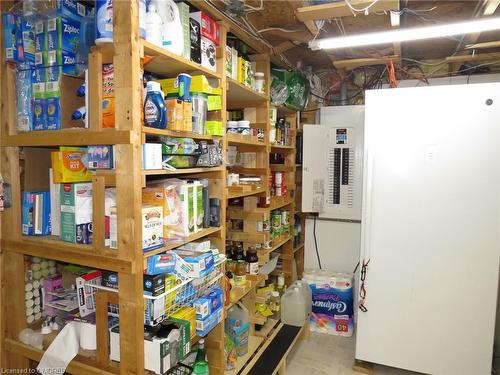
277,191
276,223
260,226
265,225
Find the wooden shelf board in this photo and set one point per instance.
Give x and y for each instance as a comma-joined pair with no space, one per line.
249,171
282,168
168,64
278,204
173,244
238,139
68,137
240,93
283,147
242,291
298,247
267,327
159,172
53,248
285,110
78,366
173,133
245,194
254,343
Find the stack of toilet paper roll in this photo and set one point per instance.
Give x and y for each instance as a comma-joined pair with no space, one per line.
39,268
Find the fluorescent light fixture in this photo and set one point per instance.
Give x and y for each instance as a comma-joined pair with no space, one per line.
404,35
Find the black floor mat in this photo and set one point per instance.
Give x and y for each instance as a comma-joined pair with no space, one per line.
273,354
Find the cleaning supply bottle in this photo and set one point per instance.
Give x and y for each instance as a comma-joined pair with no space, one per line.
154,26
79,114
173,32
200,366
155,113
239,327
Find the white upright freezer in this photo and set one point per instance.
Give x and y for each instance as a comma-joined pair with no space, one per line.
431,228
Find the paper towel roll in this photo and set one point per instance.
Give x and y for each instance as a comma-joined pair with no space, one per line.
88,336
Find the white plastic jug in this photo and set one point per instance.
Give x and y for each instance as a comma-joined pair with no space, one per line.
154,25
293,307
173,34
238,322
306,291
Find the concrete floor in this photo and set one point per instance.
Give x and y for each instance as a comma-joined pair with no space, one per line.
325,354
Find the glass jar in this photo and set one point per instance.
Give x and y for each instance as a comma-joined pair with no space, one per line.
240,277
259,82
252,261
275,304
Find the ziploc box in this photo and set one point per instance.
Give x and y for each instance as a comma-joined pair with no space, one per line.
28,33
76,213
63,34
39,114
208,304
152,227
71,8
64,59
332,305
13,39
204,326
201,263
40,35
68,165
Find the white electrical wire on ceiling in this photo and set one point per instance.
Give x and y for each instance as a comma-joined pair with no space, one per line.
279,28
255,9
364,10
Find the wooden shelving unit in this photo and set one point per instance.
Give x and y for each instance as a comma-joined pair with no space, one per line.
126,54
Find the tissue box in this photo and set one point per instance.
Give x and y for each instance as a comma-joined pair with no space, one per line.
154,285
152,227
151,156
100,157
160,354
203,327
68,166
76,213
201,263
161,263
209,304
109,279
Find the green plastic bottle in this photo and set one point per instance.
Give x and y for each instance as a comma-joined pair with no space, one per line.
200,366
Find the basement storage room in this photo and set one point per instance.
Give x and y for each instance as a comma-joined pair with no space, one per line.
250,187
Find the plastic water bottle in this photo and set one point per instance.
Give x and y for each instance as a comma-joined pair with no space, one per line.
155,112
154,26
306,291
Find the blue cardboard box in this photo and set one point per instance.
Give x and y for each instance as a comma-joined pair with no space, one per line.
73,9
13,40
65,60
38,79
39,114
28,40
63,34
40,35
36,213
100,157
201,263
203,327
53,107
208,304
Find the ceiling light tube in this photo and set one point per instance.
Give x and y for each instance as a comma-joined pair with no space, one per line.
405,35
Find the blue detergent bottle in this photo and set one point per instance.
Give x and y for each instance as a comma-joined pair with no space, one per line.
155,112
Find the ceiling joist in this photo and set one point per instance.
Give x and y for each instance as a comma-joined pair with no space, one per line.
356,63
477,57
282,47
484,45
341,9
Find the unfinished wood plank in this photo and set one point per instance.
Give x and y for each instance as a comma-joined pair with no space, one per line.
363,367
477,57
355,63
341,9
282,47
483,45
98,215
95,90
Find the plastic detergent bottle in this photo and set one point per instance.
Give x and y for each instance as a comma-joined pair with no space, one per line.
155,113
293,307
239,326
153,26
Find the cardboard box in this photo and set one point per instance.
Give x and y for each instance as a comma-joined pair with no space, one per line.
199,212
36,213
203,327
50,284
152,227
160,354
209,304
40,35
113,228
199,83
201,263
63,34
208,54
76,213
55,205
187,116
209,28
189,314
152,156
187,211
109,279
71,8
28,33
201,246
67,165
161,263
13,39
101,157
154,311
175,114
108,96
184,16
86,294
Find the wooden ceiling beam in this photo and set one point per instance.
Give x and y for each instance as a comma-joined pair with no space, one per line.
282,47
477,57
341,9
302,37
395,23
311,25
356,63
493,44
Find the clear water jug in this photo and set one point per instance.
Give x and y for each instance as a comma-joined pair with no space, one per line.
306,291
293,307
